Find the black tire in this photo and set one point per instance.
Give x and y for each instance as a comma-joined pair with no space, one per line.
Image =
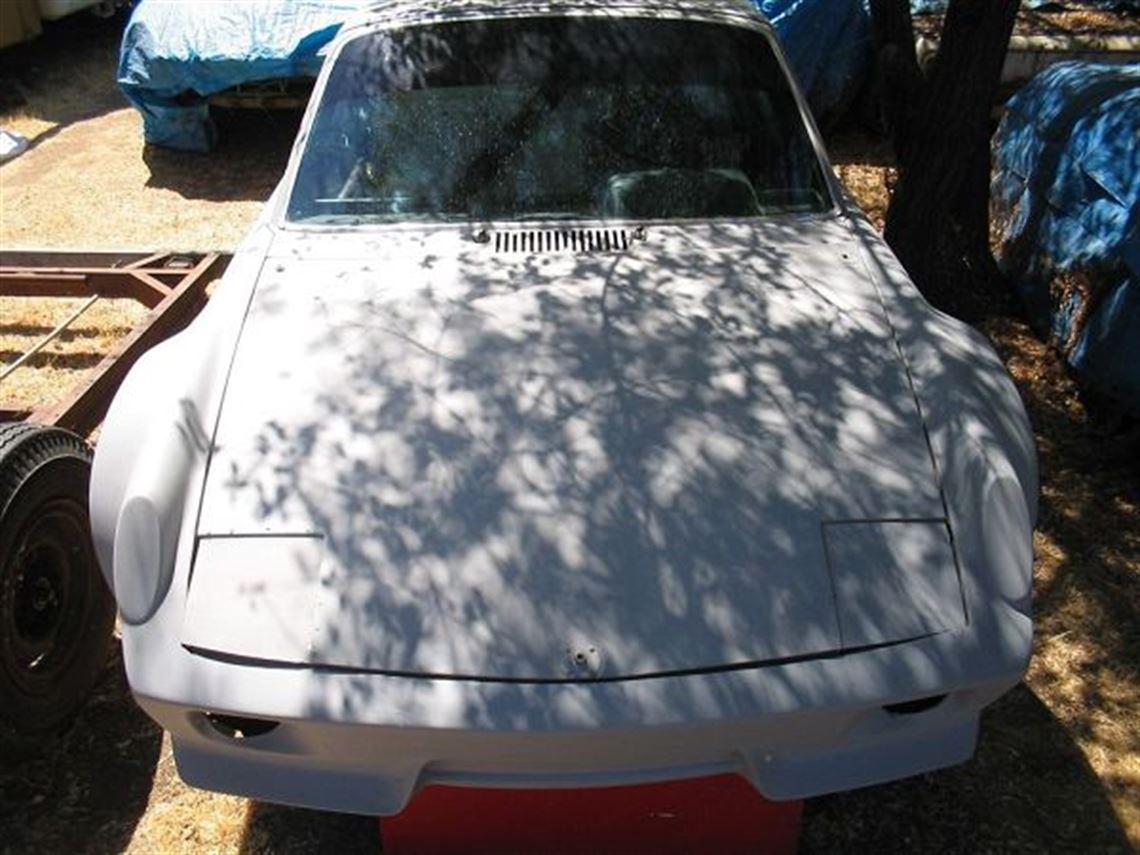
56,614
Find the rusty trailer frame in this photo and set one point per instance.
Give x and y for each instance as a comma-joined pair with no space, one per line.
172,285
56,614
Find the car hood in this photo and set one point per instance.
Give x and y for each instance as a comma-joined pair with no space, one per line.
445,456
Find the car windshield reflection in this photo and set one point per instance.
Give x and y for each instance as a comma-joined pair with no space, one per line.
557,119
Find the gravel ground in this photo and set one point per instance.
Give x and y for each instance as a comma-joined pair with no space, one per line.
1058,766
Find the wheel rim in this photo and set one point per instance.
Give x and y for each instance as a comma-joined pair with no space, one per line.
44,596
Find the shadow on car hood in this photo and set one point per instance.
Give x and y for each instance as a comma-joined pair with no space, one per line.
441,456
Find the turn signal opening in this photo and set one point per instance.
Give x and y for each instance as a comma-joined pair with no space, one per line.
919,705
240,727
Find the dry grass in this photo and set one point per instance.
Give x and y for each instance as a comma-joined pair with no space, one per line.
1058,766
865,164
1087,658
47,377
88,172
1072,22
95,178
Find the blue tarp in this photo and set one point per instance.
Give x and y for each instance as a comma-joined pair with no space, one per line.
1067,197
828,43
174,54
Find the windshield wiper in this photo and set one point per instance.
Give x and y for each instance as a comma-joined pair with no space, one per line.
553,215
365,218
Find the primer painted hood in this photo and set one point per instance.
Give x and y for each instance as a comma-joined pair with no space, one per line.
435,458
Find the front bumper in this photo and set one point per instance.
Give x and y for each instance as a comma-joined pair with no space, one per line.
365,743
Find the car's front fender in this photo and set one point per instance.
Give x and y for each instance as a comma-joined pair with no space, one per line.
157,432
979,433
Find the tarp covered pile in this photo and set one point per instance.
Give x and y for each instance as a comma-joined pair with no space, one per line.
1066,194
175,53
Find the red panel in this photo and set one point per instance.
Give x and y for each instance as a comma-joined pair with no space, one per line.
723,815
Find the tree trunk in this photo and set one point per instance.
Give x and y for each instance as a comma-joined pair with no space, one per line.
938,221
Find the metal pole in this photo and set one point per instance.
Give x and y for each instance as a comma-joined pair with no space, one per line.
50,337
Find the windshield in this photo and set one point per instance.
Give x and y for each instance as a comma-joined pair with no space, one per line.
559,118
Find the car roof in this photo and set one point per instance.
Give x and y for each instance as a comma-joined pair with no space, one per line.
390,12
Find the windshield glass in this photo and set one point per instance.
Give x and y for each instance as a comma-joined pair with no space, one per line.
533,118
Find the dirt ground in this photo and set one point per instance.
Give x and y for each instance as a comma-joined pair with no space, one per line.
1058,765
1067,23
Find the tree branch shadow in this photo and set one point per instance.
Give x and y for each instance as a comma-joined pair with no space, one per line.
1029,789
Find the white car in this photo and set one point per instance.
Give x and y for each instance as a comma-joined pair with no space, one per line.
561,424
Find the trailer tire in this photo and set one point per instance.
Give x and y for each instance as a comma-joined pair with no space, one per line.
56,614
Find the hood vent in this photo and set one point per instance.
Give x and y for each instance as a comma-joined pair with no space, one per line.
566,240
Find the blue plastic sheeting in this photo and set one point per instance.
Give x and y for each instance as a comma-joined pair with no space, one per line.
924,7
828,43
177,52
1067,194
